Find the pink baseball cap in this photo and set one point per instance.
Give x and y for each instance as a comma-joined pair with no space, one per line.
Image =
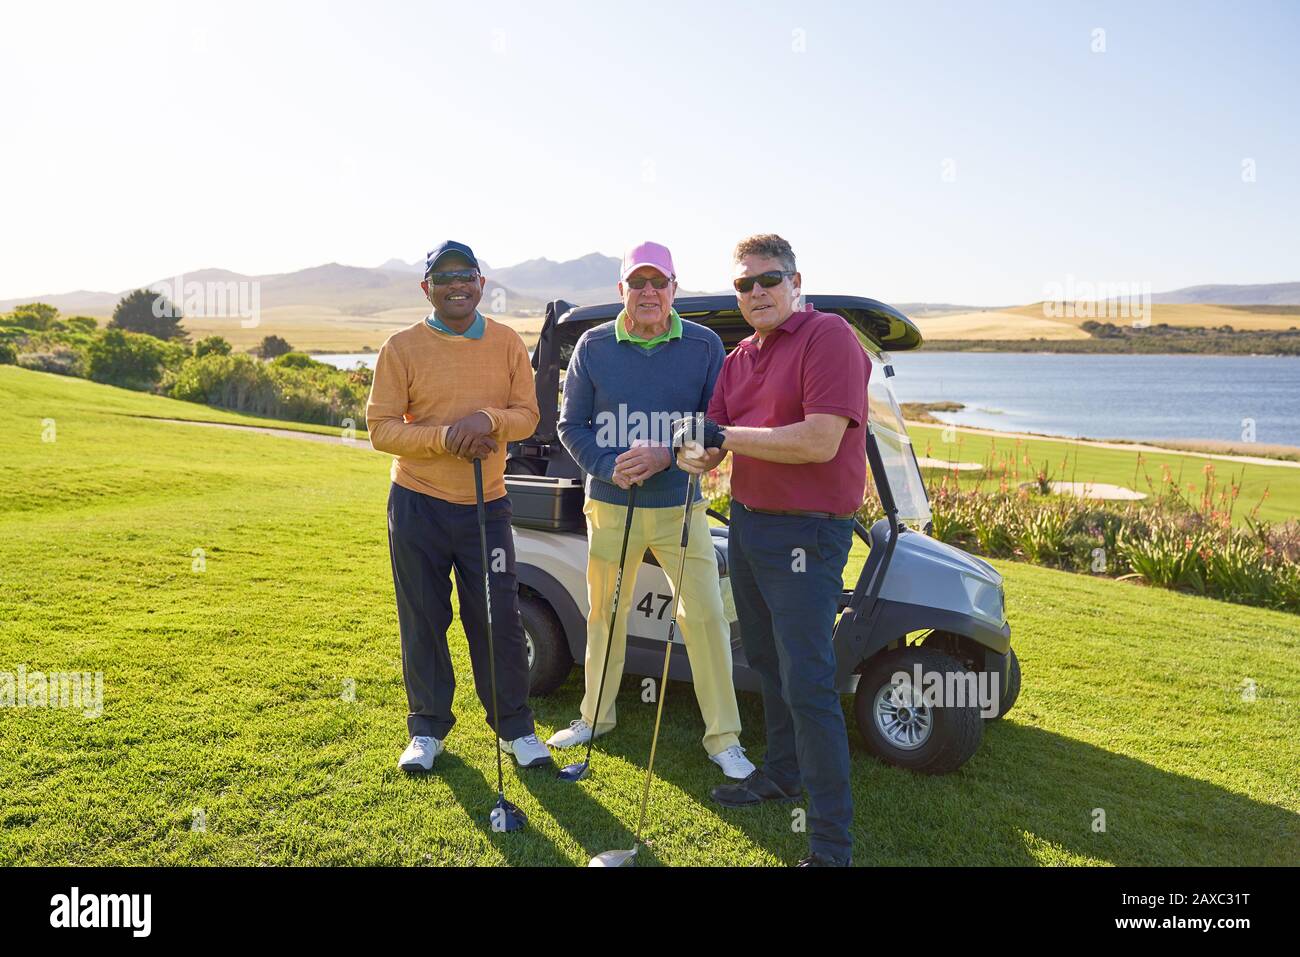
648,254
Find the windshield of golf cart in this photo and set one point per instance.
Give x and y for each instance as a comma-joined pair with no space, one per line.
901,470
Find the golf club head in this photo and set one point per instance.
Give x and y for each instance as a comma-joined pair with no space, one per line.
614,859
506,817
574,772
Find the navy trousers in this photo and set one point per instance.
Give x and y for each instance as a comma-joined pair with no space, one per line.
786,578
428,540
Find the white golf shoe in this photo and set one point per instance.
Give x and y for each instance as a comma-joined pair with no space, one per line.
578,732
733,762
529,752
419,754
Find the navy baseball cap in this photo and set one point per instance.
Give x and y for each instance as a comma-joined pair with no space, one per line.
446,248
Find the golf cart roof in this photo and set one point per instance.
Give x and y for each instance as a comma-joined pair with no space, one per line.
881,326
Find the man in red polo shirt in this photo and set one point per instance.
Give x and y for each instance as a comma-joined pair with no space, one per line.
790,404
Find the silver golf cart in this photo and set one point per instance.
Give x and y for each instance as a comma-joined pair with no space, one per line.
922,641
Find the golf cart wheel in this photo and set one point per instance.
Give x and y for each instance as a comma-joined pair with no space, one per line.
1012,691
549,660
901,728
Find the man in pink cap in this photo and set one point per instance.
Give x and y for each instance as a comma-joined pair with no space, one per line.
627,384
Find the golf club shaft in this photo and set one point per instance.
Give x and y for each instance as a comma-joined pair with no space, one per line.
668,651
487,604
613,618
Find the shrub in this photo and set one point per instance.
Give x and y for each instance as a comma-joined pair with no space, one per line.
127,359
211,345
273,346
8,354
33,315
82,324
61,360
237,382
316,393
297,360
148,313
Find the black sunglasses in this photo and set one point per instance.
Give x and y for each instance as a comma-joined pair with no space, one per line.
447,278
659,282
767,280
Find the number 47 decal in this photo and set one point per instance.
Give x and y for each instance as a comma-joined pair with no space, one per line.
646,605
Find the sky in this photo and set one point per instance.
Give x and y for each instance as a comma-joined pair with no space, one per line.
948,152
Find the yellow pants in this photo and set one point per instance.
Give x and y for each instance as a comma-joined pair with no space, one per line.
700,618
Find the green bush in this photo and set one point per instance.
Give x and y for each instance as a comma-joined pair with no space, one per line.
8,354
33,315
236,382
297,360
82,324
61,360
273,346
149,313
316,393
211,345
129,359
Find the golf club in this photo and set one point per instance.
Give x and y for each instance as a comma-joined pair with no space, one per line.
576,772
504,816
628,858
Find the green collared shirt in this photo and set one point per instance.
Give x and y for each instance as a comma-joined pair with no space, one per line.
674,330
475,330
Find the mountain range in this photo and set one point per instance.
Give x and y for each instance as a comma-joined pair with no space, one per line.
524,289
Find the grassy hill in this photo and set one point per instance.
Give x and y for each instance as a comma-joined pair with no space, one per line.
226,690
323,329
1033,321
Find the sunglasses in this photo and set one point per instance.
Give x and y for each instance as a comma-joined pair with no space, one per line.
659,282
447,278
767,280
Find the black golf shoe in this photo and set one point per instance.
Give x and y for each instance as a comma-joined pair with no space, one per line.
755,789
821,860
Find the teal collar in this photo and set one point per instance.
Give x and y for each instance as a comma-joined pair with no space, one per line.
475,330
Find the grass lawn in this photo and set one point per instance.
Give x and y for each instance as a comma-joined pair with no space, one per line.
225,690
1117,466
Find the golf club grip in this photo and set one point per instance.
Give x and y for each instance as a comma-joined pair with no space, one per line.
478,483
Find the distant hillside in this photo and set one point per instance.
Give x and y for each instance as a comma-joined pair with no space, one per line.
590,279
352,290
334,291
1266,294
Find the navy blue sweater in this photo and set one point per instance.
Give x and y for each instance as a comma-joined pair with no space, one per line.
617,392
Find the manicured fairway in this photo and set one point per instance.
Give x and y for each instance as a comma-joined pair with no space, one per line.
253,710
1067,461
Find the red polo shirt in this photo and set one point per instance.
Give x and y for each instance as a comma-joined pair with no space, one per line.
812,362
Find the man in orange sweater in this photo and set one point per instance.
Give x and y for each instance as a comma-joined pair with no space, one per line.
454,387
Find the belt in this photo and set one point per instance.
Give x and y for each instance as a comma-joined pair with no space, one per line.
769,511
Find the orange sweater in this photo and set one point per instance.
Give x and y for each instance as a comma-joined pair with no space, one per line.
425,380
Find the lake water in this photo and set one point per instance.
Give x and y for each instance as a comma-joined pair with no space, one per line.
1097,396
349,360
1111,396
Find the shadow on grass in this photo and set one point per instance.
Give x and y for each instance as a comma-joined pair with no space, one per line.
1027,797
476,793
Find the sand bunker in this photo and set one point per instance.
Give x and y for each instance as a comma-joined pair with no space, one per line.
1097,490
929,463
